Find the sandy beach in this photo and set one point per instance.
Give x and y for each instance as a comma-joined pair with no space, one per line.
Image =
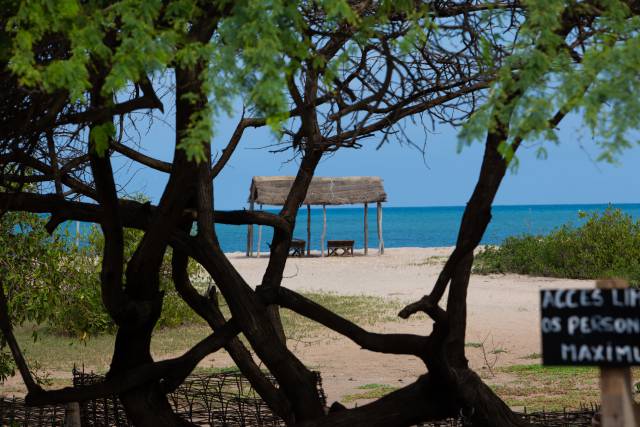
503,317
503,311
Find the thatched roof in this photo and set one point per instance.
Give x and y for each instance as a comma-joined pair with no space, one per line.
273,190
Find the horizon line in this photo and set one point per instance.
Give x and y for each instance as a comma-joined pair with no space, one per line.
385,205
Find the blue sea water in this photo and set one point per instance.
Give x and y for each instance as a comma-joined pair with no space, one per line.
420,226
415,226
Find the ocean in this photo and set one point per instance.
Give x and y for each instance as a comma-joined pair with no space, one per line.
419,226
414,226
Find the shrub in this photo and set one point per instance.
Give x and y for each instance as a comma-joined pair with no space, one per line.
29,261
175,311
51,281
607,245
28,275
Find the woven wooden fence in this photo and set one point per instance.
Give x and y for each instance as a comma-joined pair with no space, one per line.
220,399
14,413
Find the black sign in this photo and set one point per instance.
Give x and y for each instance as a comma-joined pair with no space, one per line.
590,326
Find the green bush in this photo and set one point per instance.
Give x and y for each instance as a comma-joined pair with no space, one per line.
607,245
92,317
51,281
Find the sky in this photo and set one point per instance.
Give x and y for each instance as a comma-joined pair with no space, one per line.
442,177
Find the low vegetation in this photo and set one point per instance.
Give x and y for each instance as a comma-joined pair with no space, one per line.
58,354
53,280
52,283
551,388
53,289
369,392
606,245
531,386
540,388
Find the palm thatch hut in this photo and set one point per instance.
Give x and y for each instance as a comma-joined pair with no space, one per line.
323,191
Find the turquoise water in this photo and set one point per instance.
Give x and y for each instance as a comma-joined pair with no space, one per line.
420,226
416,226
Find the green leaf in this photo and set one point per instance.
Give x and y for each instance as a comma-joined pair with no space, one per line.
100,137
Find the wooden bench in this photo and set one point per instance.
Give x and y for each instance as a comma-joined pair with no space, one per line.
340,247
297,247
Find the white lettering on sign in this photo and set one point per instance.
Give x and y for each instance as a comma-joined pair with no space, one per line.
598,324
573,298
600,353
629,297
590,326
551,324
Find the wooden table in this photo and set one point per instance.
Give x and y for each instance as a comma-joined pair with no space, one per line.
297,247
340,247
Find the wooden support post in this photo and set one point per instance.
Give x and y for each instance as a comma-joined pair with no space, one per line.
72,414
366,228
324,229
618,406
259,236
250,233
259,239
380,240
308,230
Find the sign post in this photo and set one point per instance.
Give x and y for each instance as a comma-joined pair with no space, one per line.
615,384
597,327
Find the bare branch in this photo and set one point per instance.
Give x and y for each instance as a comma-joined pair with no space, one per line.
207,308
173,370
7,330
233,143
141,158
382,343
427,306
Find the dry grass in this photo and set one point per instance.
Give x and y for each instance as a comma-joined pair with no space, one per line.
363,310
550,388
369,392
530,385
432,260
60,353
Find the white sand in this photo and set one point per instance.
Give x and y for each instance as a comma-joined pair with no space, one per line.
503,306
503,311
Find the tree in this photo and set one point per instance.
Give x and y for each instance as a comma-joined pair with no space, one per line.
326,75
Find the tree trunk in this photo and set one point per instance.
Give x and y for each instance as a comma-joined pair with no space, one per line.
484,407
146,405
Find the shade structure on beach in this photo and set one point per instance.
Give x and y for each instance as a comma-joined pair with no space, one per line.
323,191
273,190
